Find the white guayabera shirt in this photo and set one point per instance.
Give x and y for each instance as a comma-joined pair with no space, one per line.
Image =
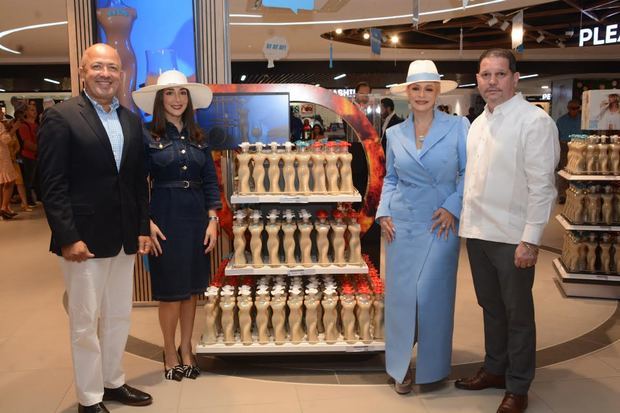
509,192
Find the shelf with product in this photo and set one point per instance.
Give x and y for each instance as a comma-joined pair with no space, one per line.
590,262
297,280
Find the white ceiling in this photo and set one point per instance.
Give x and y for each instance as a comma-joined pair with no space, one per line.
50,45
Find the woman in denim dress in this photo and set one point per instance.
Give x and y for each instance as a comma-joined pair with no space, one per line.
184,200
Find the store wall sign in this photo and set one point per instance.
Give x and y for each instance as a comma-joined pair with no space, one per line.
347,93
597,36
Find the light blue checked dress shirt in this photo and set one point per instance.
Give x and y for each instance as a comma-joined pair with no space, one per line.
112,126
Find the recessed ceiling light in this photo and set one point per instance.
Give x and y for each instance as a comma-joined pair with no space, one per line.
317,85
2,90
243,77
467,85
19,29
544,87
390,85
339,31
249,16
366,35
528,76
340,76
56,82
394,39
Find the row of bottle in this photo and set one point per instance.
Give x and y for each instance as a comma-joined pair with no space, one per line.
591,252
594,154
277,310
297,235
325,169
592,204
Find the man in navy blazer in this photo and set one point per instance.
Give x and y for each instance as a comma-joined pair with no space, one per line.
93,181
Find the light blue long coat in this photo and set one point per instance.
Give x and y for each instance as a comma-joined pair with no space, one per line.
421,268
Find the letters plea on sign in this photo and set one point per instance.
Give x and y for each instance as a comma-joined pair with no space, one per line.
597,37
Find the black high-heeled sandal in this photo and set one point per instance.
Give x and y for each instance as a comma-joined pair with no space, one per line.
7,214
176,373
189,371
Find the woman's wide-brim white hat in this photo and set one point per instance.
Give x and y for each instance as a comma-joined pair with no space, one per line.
423,71
144,98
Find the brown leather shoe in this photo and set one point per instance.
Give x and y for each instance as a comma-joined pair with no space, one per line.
482,380
513,403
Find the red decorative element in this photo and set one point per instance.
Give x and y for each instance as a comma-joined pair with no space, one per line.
321,214
337,214
355,118
225,214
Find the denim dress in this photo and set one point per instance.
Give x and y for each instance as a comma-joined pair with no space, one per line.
180,213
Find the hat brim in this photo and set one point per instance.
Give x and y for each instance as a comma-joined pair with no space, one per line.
444,87
201,95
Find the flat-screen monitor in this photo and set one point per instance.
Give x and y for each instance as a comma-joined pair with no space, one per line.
233,118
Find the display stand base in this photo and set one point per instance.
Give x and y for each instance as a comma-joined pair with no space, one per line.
586,285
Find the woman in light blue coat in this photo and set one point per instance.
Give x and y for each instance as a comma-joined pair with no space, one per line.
419,212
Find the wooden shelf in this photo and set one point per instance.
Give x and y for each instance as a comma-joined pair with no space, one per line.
572,177
586,285
294,198
567,276
295,270
584,227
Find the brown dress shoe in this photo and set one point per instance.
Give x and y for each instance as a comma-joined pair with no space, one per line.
482,380
513,403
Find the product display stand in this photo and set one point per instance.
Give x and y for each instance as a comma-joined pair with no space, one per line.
590,261
297,281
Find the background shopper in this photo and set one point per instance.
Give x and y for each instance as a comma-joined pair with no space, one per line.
418,212
7,174
28,134
184,200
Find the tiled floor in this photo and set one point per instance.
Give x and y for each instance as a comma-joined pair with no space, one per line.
35,363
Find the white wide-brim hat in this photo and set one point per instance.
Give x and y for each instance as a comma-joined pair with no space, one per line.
423,71
201,95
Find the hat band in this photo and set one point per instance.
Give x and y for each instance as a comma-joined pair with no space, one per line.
424,77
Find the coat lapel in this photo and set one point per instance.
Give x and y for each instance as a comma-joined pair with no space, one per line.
123,118
439,129
89,114
406,137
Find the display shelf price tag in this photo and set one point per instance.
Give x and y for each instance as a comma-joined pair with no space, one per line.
295,199
301,271
357,349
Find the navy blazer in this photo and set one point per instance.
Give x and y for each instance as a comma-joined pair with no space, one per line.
85,197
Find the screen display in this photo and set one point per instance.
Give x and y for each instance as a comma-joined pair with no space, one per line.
149,39
233,118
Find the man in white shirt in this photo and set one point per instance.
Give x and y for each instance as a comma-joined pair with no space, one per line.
512,152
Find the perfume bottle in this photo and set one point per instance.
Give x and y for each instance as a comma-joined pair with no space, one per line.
273,237
240,226
243,168
256,238
273,173
258,168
